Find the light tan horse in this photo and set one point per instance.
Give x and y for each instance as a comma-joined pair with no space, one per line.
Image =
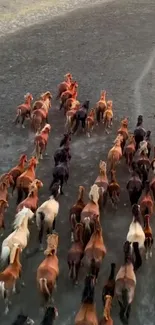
19,236
115,154
106,318
48,270
108,116
101,106
102,183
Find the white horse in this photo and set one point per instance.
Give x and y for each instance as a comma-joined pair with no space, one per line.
19,237
46,214
136,233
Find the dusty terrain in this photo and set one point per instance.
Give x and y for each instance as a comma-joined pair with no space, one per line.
109,46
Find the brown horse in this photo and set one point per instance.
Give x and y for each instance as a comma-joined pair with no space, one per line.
102,183
101,106
18,170
143,161
90,213
71,92
75,211
76,253
146,202
125,284
87,314
114,154
90,122
24,110
40,111
48,270
123,130
71,103
5,182
130,151
108,116
148,236
134,185
3,206
32,199
70,118
25,179
114,190
9,277
106,318
65,85
107,297
41,140
95,250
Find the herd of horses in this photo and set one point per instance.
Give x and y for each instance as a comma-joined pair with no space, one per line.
87,242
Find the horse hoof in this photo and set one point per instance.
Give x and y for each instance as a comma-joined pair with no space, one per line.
23,285
76,282
6,310
41,248
23,126
150,254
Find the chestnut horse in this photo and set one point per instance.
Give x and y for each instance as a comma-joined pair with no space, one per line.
3,206
65,85
87,314
101,106
129,151
148,236
75,253
40,111
95,250
24,110
90,213
75,211
41,140
146,202
31,201
48,270
114,154
5,182
72,91
106,318
114,190
25,179
123,130
90,122
125,284
108,116
18,170
102,183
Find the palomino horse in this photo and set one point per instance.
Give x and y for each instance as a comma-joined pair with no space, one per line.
123,130
65,85
76,253
41,140
6,181
129,151
9,277
19,237
95,250
75,211
3,207
48,270
40,111
24,110
114,190
46,214
25,179
87,314
146,202
102,182
90,213
90,122
114,154
16,171
125,284
101,106
31,201
108,116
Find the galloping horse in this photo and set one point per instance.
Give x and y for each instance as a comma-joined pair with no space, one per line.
40,111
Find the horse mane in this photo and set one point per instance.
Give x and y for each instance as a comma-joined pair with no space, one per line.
21,215
94,193
89,290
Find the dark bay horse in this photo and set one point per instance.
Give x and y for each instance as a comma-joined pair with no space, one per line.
80,116
60,174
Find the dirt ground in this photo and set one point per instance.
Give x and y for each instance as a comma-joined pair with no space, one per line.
109,46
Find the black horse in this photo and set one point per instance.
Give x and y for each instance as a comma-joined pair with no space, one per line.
50,315
23,320
62,155
66,139
81,116
135,185
139,132
148,139
60,174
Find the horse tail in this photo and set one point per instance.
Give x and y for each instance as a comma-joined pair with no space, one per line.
93,267
44,288
124,306
73,271
5,253
40,218
2,289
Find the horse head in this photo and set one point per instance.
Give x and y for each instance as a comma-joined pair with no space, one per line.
28,97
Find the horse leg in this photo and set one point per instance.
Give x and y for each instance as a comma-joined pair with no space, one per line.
20,195
13,187
54,223
6,301
22,121
77,268
84,123
98,116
